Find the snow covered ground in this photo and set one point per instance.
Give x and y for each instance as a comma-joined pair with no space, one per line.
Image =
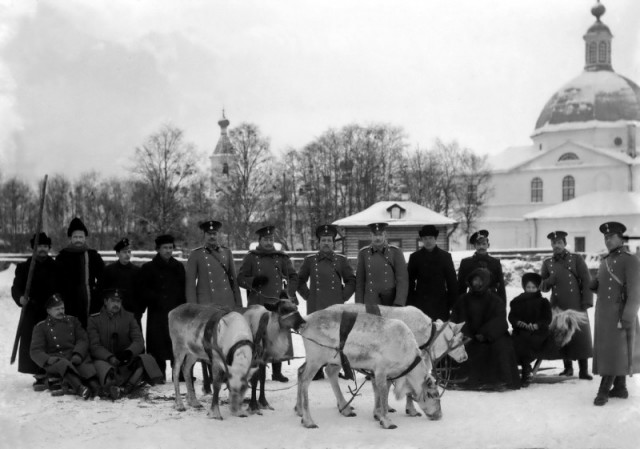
541,416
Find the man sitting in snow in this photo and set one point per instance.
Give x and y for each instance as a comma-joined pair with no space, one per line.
117,347
492,362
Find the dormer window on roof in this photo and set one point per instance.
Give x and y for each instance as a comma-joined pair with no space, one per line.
396,211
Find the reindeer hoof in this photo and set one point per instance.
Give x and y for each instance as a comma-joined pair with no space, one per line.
392,410
387,424
310,426
266,406
181,408
214,415
413,413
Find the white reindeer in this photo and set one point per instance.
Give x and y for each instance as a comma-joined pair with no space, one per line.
435,339
224,340
383,346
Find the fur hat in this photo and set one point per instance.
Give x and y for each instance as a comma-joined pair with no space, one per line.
428,231
531,277
77,225
164,239
43,239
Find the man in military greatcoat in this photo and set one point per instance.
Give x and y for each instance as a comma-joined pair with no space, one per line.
79,269
432,277
60,346
265,273
117,348
381,274
162,282
123,275
567,276
43,285
482,259
211,273
617,330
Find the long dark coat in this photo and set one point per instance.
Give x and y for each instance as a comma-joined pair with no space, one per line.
530,308
125,279
62,339
567,276
432,282
496,284
381,276
332,280
162,285
211,278
617,351
493,360
78,274
112,333
276,266
43,285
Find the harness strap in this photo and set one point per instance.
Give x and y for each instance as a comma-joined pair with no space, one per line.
415,363
432,336
373,309
235,347
347,320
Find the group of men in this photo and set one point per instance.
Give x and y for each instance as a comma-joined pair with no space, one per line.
475,295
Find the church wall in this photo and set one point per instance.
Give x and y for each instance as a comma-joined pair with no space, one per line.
504,234
599,138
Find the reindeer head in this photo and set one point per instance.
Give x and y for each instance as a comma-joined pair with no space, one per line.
237,380
425,394
287,311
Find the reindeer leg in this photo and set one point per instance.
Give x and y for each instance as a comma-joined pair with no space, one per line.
298,408
254,408
410,408
214,411
386,399
262,400
188,380
383,392
206,378
177,364
332,373
304,380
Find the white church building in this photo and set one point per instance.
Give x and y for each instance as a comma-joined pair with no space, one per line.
582,168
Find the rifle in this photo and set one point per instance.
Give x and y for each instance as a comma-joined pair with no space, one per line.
32,267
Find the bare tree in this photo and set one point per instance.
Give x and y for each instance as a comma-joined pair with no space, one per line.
17,204
473,189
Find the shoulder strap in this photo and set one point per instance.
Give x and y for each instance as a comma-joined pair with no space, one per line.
615,278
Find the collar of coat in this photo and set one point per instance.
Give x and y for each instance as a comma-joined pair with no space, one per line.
159,260
325,255
382,249
562,255
267,252
616,251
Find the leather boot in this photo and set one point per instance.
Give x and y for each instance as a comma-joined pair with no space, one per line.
568,368
619,389
276,374
583,364
603,392
526,375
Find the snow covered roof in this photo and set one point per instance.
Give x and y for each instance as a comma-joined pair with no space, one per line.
414,215
595,204
512,157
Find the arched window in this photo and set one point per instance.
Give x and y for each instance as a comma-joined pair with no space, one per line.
568,157
592,52
225,168
536,190
568,188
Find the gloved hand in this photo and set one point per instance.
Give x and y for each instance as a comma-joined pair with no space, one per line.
521,325
51,360
259,281
124,356
76,359
113,361
480,338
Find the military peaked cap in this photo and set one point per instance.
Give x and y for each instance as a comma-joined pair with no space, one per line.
428,231
326,230
112,293
210,225
531,277
479,236
54,300
164,239
612,227
77,225
122,244
377,227
43,239
267,230
557,235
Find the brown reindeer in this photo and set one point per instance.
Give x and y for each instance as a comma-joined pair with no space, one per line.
386,347
224,340
435,339
271,326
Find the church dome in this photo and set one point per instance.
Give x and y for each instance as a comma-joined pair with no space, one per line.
602,96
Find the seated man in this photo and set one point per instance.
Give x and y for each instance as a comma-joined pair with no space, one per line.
492,362
60,346
530,317
117,347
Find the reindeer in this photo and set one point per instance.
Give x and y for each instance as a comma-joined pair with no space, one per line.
224,340
384,346
271,326
435,339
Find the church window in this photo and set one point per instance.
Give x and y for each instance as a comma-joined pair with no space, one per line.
569,157
603,52
225,169
536,190
568,188
592,52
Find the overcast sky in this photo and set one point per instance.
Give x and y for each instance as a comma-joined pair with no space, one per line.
83,82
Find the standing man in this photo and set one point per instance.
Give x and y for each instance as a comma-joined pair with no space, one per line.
123,275
43,285
432,277
79,269
381,275
265,273
567,276
162,281
482,259
617,331
211,274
